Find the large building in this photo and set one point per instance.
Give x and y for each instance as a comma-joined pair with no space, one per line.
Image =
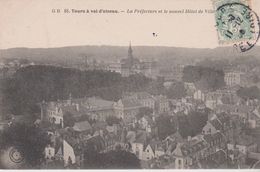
93,107
234,78
130,65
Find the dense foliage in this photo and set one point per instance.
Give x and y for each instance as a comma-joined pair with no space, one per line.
188,125
144,111
111,120
166,126
33,84
249,92
193,123
117,159
205,78
176,91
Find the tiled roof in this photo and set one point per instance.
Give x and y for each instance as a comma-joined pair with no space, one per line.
71,110
129,102
82,126
160,98
234,108
97,142
223,118
211,137
141,137
190,147
98,102
216,123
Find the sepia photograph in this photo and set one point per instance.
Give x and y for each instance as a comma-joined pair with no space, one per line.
134,84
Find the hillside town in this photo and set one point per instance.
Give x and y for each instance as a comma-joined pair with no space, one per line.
199,129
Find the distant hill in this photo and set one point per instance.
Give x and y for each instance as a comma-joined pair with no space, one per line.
76,54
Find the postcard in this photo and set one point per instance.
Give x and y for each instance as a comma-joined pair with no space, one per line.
134,84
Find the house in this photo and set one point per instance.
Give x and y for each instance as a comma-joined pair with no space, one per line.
184,105
127,109
212,100
190,88
49,152
254,118
240,110
154,149
68,154
199,95
244,144
220,122
144,98
146,123
94,107
148,152
212,127
162,104
216,141
189,153
138,145
99,109
171,141
217,160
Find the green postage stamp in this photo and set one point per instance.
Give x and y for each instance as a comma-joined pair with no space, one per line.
237,24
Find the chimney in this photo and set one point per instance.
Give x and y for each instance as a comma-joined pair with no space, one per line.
69,101
77,107
101,133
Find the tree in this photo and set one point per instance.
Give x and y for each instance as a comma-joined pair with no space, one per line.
144,111
193,123
112,120
29,140
33,84
166,126
117,159
249,92
68,119
197,120
204,78
176,91
121,159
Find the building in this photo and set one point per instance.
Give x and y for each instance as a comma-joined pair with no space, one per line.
130,65
146,123
233,78
199,95
162,104
127,109
145,99
189,153
93,107
244,144
219,123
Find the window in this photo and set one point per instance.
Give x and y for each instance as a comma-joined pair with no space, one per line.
179,161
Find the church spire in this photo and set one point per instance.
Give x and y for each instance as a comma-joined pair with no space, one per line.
130,51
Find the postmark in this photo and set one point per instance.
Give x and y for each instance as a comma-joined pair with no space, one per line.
237,24
16,155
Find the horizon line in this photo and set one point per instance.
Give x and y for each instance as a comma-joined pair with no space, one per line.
107,45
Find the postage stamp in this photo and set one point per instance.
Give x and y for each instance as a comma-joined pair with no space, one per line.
237,24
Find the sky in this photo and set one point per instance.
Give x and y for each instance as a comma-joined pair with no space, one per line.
31,23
